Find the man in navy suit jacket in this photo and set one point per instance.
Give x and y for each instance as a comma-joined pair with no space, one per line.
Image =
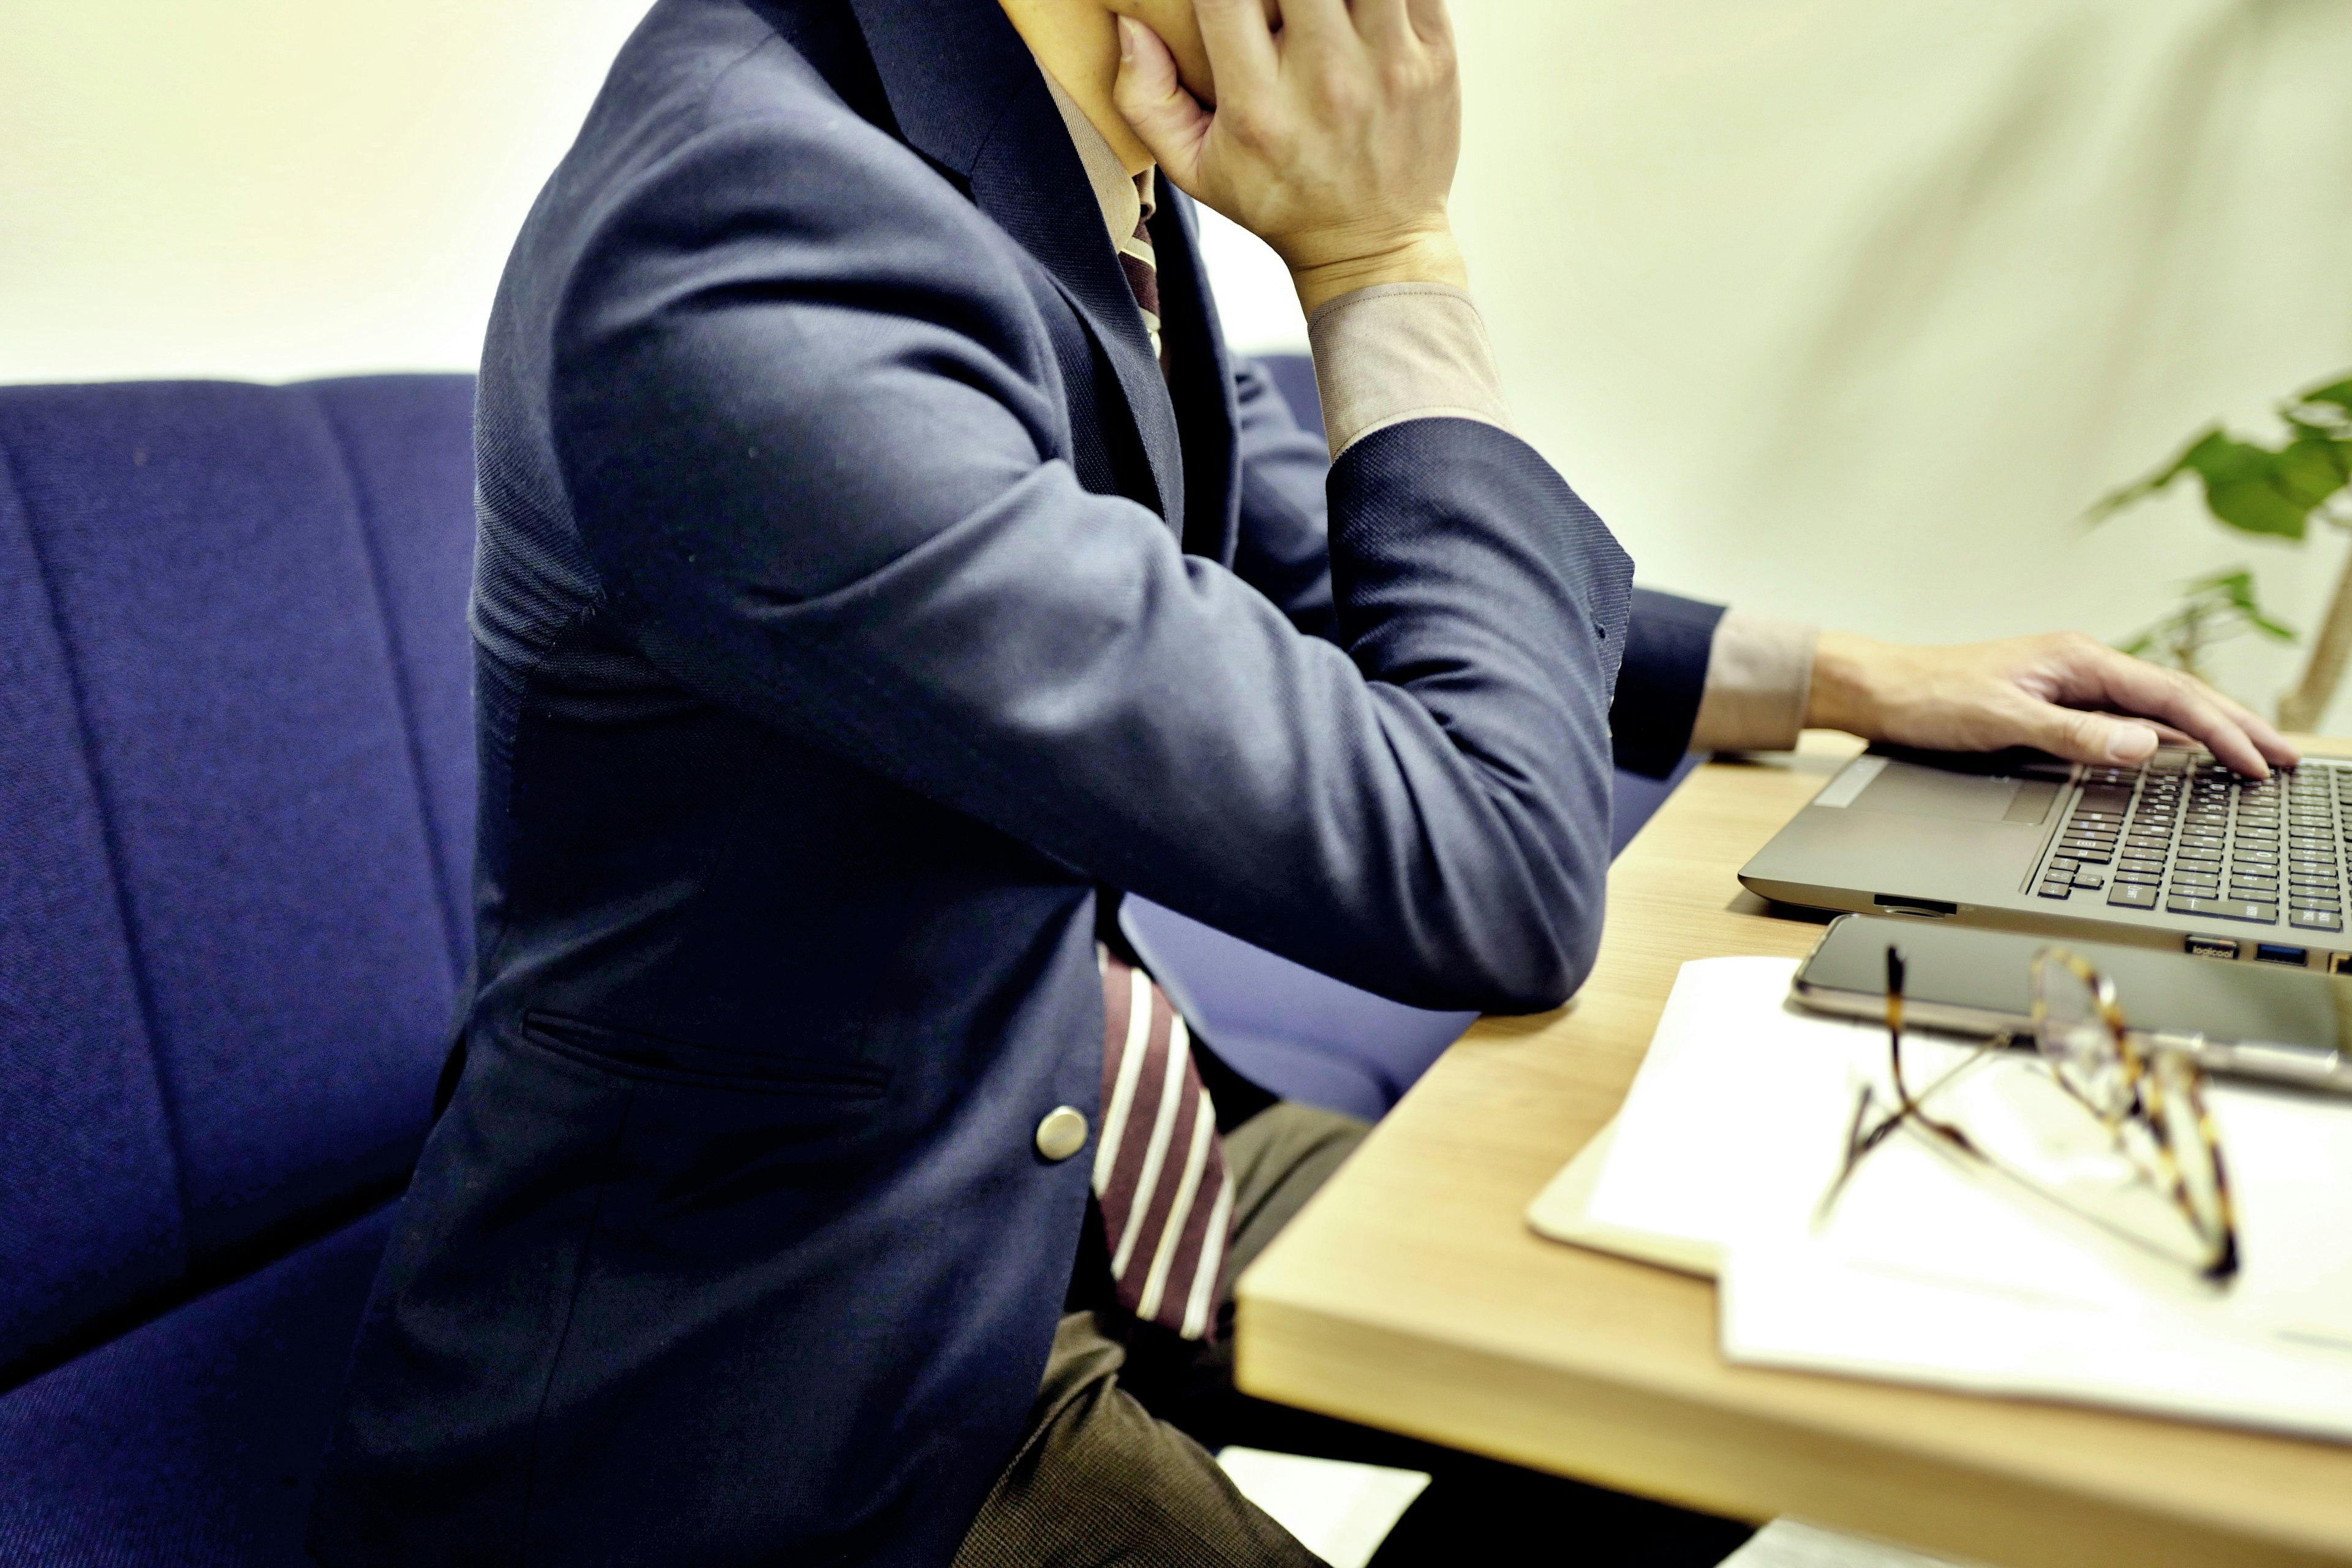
858,594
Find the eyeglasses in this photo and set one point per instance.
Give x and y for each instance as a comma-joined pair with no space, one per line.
2149,1098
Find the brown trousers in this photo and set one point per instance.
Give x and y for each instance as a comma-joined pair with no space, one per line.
1098,1477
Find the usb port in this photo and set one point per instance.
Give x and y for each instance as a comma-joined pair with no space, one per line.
2278,952
2339,963
2212,947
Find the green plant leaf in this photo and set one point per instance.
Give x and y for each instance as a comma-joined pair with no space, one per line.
2114,500
2318,419
2255,490
2312,467
2337,393
2270,491
2233,588
2231,582
2255,506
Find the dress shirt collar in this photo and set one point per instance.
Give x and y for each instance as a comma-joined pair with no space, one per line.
1116,190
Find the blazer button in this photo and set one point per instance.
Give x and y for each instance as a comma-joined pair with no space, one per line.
1063,1132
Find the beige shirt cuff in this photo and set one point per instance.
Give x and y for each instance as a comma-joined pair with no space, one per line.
1759,675
1403,351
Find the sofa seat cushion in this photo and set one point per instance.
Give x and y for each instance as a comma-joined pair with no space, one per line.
190,1442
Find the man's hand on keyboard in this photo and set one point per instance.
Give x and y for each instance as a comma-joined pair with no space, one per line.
2067,693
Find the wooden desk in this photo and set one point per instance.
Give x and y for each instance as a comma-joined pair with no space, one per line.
1412,1296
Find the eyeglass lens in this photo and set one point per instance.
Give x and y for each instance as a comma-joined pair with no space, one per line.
2077,1040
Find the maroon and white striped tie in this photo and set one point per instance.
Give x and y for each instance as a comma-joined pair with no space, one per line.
1139,259
1159,1168
1160,1184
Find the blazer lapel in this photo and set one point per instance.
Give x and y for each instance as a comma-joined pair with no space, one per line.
967,95
1201,382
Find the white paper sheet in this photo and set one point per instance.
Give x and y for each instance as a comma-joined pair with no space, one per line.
1734,1126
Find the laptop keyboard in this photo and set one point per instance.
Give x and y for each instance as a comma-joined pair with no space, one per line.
2185,835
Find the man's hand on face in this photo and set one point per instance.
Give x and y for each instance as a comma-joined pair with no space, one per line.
1332,137
2065,693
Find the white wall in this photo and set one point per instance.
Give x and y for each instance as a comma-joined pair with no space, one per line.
1847,310
1839,309
274,188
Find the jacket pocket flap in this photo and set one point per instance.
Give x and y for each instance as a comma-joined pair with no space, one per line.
642,1055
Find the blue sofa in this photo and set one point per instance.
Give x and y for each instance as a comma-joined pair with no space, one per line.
236,826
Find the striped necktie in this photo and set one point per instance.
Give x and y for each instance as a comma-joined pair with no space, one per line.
1140,262
1159,1168
1160,1184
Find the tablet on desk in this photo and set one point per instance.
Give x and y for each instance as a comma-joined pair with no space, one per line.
2276,1023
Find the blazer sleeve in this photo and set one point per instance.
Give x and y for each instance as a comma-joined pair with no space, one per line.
811,430
1284,549
1283,553
1667,648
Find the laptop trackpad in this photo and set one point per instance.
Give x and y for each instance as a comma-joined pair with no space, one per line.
1909,790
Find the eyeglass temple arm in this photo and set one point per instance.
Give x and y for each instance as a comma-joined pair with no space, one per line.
1897,970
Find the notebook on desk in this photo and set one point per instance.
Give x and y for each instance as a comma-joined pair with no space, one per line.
2178,853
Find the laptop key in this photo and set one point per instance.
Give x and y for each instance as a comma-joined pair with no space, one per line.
2317,920
2132,895
2057,890
2224,908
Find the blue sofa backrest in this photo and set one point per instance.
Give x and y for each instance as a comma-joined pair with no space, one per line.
235,822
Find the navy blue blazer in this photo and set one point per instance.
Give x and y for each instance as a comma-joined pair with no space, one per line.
855,599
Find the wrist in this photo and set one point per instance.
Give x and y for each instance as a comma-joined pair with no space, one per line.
1842,695
1429,257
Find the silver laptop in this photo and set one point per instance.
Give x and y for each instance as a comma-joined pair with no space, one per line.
2180,853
